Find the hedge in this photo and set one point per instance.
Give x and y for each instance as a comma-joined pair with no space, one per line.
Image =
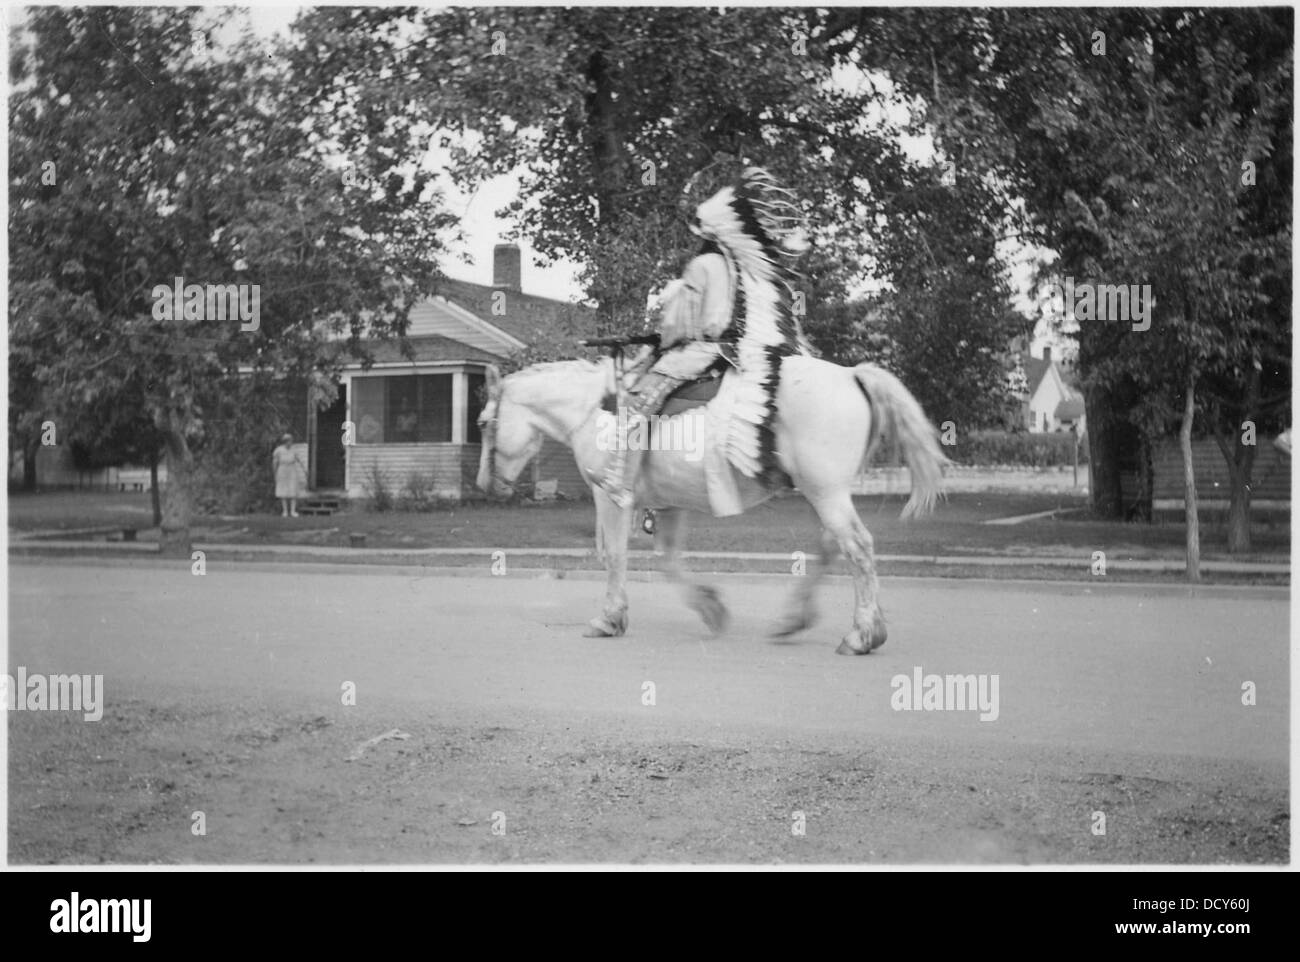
1016,449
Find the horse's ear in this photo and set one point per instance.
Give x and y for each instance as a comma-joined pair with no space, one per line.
493,381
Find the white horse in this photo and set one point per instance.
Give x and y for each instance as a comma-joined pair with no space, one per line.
829,419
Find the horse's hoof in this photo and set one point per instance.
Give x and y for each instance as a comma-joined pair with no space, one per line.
711,609
605,628
793,624
854,644
879,632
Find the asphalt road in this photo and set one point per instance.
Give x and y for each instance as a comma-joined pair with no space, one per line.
1119,699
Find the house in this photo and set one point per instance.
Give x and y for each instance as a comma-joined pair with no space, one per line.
410,419
1052,401
1270,483
58,467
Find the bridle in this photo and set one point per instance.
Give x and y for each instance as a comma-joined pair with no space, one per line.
488,428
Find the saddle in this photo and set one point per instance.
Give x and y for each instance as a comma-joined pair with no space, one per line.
696,393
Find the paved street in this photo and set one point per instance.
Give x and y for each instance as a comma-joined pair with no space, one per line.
1093,684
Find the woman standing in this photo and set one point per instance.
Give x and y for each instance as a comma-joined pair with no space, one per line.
289,476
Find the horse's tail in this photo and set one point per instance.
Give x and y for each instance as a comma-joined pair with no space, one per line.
896,413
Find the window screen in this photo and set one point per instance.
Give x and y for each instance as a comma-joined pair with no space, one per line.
405,409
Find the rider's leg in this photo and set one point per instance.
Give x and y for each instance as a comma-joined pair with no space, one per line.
645,399
670,369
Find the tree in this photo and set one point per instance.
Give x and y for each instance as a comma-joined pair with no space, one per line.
948,319
609,113
171,159
1087,119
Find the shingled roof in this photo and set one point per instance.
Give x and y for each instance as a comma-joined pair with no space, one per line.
1070,409
426,347
1035,370
527,316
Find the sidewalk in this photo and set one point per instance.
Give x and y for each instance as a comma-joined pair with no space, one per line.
1280,567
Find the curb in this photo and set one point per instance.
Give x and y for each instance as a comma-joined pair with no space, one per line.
642,575
339,555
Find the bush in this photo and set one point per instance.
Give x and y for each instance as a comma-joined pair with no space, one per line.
1018,449
232,453
232,468
418,493
378,488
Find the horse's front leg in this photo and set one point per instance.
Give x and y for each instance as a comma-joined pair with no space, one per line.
801,613
611,540
670,524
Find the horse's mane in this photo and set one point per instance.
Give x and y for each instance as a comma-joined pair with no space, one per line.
541,379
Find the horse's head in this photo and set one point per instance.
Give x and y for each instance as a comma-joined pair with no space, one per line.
510,438
556,400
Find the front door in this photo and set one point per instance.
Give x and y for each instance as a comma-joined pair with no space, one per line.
330,453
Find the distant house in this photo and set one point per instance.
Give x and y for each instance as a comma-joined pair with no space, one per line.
1270,483
413,419
1052,401
57,466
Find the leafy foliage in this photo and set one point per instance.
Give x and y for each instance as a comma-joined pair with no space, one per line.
1118,138
1018,449
172,159
609,113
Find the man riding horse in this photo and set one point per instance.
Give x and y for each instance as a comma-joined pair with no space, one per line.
732,302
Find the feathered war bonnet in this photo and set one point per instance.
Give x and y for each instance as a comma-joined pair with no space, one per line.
748,207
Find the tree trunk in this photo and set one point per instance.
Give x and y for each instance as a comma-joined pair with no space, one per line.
30,450
1189,483
1241,465
154,495
1142,509
1239,471
1103,465
605,142
177,501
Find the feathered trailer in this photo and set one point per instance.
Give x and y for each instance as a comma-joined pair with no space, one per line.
756,226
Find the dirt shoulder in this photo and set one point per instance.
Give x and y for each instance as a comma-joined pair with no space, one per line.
275,787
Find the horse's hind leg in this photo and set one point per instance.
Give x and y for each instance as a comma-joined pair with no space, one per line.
669,526
802,610
841,520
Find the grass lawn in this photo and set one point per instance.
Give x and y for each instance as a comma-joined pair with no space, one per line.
783,525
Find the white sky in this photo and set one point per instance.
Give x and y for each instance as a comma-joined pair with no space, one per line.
471,260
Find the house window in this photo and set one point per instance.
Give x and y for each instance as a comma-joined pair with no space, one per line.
475,386
1047,422
407,409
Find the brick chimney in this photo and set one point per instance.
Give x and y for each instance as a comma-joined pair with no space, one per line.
507,269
